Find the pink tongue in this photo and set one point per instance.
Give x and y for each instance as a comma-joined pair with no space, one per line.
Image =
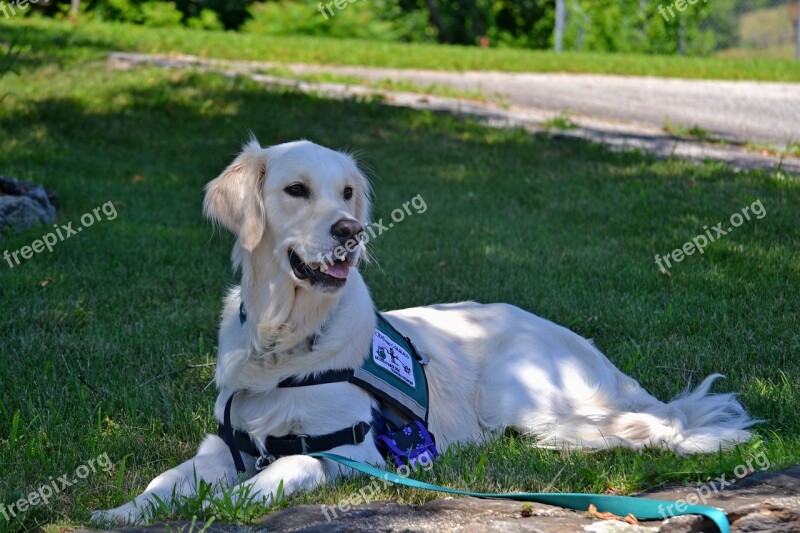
338,270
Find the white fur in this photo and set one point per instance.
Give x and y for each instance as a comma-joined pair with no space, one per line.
492,366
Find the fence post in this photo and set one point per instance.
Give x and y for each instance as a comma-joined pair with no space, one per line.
561,14
797,32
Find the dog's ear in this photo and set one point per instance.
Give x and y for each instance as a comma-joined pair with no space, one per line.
234,198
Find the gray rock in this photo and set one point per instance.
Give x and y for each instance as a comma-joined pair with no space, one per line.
24,205
19,213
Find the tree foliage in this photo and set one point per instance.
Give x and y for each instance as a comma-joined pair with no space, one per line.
592,25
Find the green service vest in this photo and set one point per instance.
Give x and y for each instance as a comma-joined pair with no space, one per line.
393,371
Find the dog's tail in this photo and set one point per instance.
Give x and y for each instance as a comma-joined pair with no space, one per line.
695,422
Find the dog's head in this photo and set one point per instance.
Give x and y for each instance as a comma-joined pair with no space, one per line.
304,202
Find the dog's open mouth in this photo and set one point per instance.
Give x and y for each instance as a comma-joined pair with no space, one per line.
331,274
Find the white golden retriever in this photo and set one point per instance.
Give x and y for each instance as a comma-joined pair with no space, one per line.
491,366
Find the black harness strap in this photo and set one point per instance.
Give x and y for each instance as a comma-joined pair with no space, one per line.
245,443
329,376
240,442
226,432
303,444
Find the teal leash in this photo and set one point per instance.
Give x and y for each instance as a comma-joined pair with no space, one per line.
641,508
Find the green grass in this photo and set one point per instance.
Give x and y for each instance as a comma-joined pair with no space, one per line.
694,132
92,39
559,122
792,150
768,22
563,228
383,84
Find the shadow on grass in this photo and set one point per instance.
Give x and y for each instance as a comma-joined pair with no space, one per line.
61,46
565,229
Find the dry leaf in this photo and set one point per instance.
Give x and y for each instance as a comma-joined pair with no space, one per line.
138,179
611,516
594,513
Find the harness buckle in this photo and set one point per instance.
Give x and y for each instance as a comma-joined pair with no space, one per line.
303,444
355,435
264,461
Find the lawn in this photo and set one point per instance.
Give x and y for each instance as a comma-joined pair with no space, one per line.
93,39
565,229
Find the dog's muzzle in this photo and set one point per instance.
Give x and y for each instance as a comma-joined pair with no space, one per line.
330,273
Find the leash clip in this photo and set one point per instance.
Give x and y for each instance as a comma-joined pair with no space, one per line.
303,444
264,461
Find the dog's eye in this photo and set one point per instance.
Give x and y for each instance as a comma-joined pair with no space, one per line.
348,193
298,190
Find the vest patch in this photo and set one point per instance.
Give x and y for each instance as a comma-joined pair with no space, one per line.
393,371
389,355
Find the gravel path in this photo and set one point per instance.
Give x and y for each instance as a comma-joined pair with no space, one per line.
736,110
621,112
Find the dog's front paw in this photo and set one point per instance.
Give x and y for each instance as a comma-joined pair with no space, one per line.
124,515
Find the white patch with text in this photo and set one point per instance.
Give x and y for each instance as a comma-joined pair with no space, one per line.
387,354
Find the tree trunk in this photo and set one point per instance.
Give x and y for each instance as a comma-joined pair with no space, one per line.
436,20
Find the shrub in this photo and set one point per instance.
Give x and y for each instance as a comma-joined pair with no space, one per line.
160,14
359,19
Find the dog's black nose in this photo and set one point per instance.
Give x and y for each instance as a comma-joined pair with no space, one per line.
346,229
